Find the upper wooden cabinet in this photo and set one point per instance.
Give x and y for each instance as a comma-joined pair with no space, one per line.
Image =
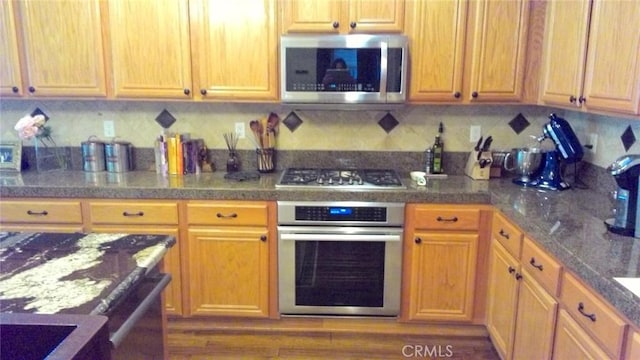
342,16
63,45
10,78
150,48
492,33
605,77
235,49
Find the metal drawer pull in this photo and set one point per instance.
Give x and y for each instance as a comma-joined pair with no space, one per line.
230,216
518,276
139,213
533,263
592,317
504,234
511,270
43,212
263,237
453,219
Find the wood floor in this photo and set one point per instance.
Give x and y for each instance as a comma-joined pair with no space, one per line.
203,340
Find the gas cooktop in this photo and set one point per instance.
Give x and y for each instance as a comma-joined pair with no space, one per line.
340,179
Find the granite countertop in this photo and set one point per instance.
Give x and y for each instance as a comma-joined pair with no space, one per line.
568,224
86,274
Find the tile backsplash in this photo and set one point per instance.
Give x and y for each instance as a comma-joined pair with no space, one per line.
332,130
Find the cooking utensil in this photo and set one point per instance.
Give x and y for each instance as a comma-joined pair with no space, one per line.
477,148
487,144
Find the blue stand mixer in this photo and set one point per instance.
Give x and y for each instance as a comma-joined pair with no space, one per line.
568,150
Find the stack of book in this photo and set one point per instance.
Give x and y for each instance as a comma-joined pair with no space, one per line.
178,154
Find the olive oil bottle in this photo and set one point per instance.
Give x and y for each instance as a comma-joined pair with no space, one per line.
438,148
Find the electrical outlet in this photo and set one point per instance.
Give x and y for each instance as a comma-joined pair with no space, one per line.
109,128
240,130
592,140
474,133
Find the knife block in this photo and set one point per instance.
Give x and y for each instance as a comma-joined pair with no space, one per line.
473,168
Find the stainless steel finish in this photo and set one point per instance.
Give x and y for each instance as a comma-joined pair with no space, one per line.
356,41
623,164
526,161
119,156
93,157
288,235
287,216
355,180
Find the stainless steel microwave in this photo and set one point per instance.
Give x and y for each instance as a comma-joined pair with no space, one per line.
343,69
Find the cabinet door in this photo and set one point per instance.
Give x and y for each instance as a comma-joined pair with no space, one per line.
170,263
10,79
312,16
535,321
369,16
436,31
150,48
229,271
442,278
612,80
565,52
498,55
571,342
63,48
235,47
502,296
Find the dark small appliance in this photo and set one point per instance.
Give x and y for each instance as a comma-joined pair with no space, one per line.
626,172
568,150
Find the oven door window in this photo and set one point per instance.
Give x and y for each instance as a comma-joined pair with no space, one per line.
339,273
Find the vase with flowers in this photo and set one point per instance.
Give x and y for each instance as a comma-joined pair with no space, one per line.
48,156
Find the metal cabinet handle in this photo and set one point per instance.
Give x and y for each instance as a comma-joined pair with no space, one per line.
32,89
187,91
453,219
474,94
511,270
15,89
572,99
353,24
591,317
582,99
38,213
263,237
457,94
417,240
126,213
335,24
504,234
518,276
223,216
533,263
203,91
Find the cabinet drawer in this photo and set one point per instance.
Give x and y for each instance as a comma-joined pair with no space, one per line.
132,213
507,234
541,266
42,212
594,315
227,213
446,218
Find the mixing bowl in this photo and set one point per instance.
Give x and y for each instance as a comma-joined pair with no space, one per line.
524,162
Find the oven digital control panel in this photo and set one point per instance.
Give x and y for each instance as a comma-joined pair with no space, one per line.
341,213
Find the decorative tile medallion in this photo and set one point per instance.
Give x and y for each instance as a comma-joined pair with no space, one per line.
519,123
165,119
628,138
388,123
37,111
292,121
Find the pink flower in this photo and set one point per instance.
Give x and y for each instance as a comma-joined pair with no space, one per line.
29,126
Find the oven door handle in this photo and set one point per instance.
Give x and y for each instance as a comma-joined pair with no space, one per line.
340,237
117,337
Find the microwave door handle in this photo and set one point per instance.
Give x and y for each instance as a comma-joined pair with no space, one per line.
339,237
384,52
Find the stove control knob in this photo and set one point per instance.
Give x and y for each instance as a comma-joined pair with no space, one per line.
320,180
350,181
330,181
360,181
340,181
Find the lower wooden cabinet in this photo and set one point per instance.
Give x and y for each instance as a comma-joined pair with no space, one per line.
572,342
502,298
39,215
228,272
535,319
439,265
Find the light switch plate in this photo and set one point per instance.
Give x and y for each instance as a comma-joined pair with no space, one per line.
474,133
240,130
109,128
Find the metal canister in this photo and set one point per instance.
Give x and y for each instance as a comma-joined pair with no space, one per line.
93,156
119,156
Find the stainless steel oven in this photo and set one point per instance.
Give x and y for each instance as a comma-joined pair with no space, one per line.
340,258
